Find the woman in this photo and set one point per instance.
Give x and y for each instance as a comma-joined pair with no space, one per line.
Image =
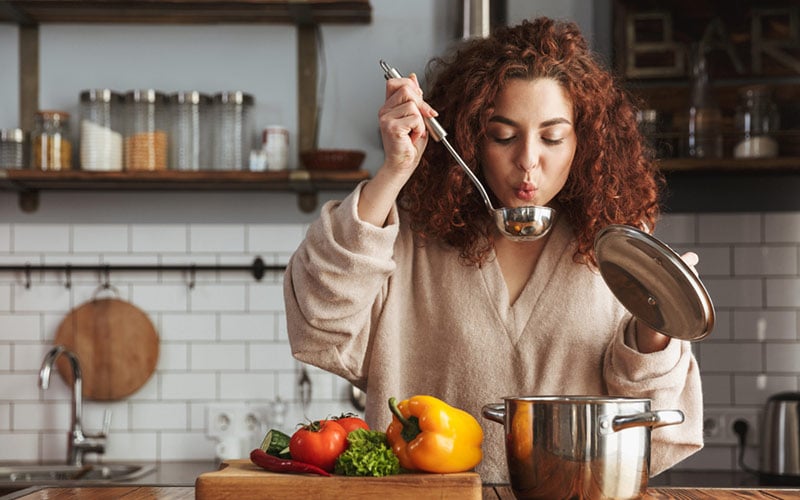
406,287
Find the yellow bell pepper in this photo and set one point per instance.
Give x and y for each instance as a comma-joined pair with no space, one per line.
429,435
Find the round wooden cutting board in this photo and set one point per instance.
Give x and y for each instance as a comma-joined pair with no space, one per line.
116,344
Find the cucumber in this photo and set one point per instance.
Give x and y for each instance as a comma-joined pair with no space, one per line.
276,443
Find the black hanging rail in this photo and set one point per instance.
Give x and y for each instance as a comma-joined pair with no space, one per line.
258,268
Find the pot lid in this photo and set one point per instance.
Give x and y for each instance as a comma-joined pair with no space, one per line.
653,283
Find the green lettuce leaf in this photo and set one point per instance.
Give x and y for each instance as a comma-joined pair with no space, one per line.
368,454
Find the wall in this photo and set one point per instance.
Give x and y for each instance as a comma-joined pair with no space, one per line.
224,341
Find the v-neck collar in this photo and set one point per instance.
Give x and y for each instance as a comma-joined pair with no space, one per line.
515,317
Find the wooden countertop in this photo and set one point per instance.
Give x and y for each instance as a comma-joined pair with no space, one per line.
489,493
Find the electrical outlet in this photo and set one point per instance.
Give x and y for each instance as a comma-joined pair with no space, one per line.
718,425
224,420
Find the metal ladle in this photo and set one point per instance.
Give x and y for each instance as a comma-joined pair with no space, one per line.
520,223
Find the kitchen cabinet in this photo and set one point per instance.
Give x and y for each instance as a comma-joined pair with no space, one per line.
306,15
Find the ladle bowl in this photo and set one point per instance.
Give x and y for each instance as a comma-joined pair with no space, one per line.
517,223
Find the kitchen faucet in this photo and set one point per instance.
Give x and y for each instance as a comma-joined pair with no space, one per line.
78,443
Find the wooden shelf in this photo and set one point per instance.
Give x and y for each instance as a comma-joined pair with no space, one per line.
305,183
731,165
31,12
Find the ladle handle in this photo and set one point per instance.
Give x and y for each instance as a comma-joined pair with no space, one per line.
438,133
434,127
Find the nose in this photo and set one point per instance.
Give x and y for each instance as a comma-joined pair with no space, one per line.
528,154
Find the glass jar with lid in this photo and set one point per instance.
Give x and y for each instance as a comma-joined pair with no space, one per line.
51,148
146,135
756,123
233,130
13,148
101,130
190,146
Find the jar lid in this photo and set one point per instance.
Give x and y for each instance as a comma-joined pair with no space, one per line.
100,95
12,135
234,97
145,95
189,97
52,115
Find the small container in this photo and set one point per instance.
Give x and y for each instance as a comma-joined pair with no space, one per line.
275,143
51,148
146,136
233,130
13,148
190,146
756,123
101,130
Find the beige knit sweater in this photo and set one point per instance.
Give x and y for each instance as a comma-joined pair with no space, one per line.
400,319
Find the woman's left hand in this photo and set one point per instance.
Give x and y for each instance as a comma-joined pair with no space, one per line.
649,340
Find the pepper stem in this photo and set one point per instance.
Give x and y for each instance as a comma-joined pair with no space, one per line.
410,425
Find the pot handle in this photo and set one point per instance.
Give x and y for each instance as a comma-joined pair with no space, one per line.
651,419
495,412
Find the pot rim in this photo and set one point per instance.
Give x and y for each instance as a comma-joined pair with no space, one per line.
576,399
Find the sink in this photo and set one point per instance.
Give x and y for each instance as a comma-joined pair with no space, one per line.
40,474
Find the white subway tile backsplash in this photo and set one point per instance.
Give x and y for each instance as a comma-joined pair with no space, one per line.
19,326
53,446
765,260
730,228
266,297
188,386
19,446
765,325
159,415
161,298
204,238
99,238
271,238
5,358
46,416
217,356
272,356
173,357
40,238
193,446
159,238
710,458
782,227
755,389
28,357
783,292
218,297
41,297
783,357
730,357
675,229
717,389
188,326
5,417
247,386
735,292
19,386
135,446
235,326
5,238
714,260
150,390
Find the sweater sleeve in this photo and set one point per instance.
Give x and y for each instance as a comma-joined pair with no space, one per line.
333,285
671,380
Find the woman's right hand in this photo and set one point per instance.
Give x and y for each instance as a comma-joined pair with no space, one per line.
402,123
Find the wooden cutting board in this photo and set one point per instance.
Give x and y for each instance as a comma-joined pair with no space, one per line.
241,479
116,344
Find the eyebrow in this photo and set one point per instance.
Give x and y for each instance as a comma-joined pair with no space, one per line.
544,124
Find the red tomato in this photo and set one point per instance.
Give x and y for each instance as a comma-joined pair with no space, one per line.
319,443
351,422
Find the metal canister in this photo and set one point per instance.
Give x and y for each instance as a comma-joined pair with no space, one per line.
146,136
190,135
13,148
101,130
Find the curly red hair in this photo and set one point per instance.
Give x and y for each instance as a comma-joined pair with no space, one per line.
613,178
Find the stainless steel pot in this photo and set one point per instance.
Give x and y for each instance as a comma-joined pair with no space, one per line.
578,447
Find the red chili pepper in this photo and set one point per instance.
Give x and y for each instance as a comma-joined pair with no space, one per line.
275,464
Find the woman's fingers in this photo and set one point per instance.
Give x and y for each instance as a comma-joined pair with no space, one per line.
691,259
